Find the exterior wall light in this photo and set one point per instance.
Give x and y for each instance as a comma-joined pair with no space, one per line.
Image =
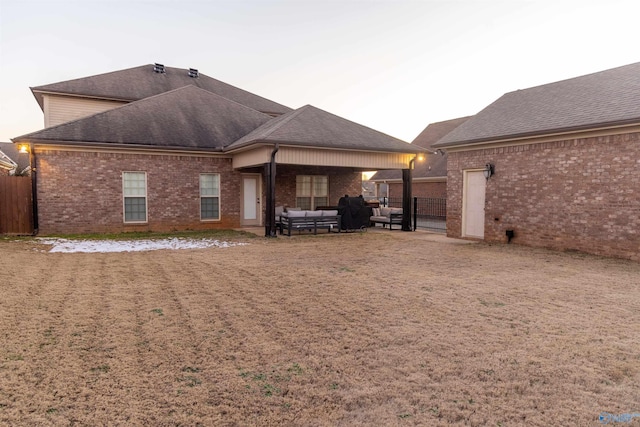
488,171
23,148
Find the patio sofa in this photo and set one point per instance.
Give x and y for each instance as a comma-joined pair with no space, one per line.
296,219
386,216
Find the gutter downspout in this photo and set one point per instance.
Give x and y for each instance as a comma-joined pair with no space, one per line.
270,227
34,187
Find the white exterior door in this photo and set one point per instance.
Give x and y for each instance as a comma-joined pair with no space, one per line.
250,201
475,185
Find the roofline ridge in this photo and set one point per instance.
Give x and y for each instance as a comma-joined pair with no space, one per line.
583,76
46,88
137,102
293,114
87,77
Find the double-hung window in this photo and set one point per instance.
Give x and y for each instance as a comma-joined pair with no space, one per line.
209,196
134,190
312,191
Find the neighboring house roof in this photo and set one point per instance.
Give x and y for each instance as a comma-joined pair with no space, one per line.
11,151
5,161
188,117
603,99
435,165
312,127
142,82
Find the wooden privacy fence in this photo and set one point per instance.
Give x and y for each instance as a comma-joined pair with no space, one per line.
16,205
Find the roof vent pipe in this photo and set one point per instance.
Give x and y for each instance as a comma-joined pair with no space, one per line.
193,73
159,68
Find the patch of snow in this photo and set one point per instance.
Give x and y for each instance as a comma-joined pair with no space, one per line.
87,246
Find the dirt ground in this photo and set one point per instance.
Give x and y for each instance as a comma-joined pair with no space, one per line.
362,329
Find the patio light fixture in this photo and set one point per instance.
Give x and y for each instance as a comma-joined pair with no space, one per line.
419,157
23,148
488,171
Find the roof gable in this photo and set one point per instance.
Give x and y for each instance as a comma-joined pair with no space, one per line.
142,82
435,131
312,127
188,117
435,165
602,99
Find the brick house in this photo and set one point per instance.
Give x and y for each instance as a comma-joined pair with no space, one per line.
162,148
429,176
565,163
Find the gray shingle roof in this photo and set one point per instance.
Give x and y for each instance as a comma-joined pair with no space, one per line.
6,161
312,127
11,151
435,165
142,82
606,98
188,117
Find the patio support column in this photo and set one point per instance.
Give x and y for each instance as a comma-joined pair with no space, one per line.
406,198
270,213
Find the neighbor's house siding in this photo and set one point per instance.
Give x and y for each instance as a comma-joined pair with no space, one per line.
577,194
81,192
60,109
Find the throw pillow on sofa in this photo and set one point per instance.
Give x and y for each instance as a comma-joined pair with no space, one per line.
297,214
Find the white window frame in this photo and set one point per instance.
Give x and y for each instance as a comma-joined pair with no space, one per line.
210,197
125,196
312,195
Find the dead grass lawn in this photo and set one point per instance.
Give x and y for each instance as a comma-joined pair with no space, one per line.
379,328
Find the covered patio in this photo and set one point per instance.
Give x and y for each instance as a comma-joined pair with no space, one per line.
312,158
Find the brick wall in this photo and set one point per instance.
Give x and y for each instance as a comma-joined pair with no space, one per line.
575,194
81,192
341,181
420,189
